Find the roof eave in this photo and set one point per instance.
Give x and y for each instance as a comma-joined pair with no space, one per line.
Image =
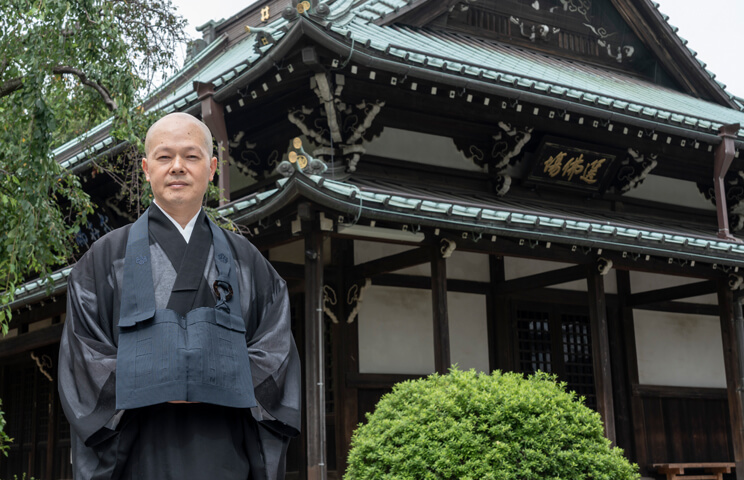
300,186
306,28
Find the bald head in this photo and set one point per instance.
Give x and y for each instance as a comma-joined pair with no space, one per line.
178,117
179,164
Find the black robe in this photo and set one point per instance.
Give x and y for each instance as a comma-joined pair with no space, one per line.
178,441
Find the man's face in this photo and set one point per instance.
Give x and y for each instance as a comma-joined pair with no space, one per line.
178,164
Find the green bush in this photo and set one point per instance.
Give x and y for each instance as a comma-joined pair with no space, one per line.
5,440
466,425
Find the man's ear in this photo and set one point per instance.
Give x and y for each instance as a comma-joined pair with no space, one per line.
144,168
212,168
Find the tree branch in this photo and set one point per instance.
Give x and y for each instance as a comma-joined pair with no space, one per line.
11,86
14,84
110,102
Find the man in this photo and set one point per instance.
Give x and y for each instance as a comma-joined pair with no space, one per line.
177,361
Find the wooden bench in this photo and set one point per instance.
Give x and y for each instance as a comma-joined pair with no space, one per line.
676,471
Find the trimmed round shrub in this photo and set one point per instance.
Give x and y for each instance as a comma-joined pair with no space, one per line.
466,425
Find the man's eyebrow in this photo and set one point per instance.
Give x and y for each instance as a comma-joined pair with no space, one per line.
159,148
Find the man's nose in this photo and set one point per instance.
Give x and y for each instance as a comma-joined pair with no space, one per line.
177,165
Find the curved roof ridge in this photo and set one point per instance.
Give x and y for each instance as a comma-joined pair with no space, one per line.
694,54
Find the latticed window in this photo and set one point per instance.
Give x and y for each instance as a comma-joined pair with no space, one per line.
557,339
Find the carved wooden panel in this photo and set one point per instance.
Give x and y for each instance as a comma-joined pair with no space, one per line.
590,29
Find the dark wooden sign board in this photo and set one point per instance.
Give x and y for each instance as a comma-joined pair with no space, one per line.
575,165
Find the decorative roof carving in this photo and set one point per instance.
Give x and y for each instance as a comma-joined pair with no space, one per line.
734,182
497,153
633,170
337,129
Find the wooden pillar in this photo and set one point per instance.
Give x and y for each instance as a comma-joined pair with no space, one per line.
639,453
214,117
732,335
500,338
442,360
36,378
620,384
314,361
601,350
346,353
52,430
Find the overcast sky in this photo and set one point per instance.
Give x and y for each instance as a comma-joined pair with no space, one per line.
712,27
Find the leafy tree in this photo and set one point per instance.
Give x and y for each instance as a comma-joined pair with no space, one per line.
501,426
66,65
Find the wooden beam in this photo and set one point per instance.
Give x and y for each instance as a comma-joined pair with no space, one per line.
442,360
51,307
658,265
31,340
601,350
672,293
663,391
554,295
688,308
415,281
406,259
314,357
732,335
288,270
377,381
540,280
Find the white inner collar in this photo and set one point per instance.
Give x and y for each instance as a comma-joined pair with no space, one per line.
184,231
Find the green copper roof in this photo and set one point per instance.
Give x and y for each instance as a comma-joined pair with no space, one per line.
524,69
454,55
494,217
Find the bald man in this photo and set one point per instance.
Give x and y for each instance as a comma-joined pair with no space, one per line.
176,359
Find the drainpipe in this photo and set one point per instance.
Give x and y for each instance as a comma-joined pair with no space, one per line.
723,157
214,116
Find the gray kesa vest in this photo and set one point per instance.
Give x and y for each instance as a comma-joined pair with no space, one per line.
163,356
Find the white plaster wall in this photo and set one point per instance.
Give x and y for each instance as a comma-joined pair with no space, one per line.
419,148
468,330
523,267
670,190
396,332
679,350
643,282
468,266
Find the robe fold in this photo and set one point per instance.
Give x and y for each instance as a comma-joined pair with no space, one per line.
176,441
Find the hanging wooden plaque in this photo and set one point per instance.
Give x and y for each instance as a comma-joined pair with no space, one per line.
577,165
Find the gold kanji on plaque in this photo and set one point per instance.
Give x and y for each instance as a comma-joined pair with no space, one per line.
574,164
265,13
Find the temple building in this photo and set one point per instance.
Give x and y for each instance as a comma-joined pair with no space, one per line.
520,185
